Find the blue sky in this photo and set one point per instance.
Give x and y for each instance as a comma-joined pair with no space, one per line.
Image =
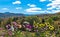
30,6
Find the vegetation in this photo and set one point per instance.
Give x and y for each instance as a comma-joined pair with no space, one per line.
30,26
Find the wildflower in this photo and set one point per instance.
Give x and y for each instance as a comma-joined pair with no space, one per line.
14,23
41,25
25,22
10,33
51,27
8,27
12,28
28,27
47,24
19,26
35,24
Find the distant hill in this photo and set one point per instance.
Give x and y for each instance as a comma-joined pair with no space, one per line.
58,13
8,14
55,14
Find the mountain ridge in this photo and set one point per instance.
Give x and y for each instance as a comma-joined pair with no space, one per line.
8,14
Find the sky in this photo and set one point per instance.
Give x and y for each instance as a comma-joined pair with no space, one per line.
30,6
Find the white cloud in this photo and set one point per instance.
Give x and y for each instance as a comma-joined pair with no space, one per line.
50,8
16,2
40,11
31,5
55,11
5,9
54,5
37,10
45,0
33,10
17,8
42,0
50,0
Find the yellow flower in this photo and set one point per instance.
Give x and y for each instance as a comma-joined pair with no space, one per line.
51,27
41,25
47,24
35,24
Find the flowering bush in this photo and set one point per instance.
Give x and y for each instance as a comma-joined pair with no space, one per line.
31,26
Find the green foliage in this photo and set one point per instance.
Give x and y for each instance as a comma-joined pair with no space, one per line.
31,19
47,26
